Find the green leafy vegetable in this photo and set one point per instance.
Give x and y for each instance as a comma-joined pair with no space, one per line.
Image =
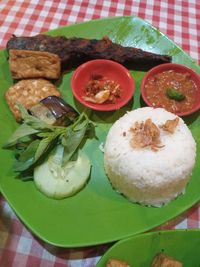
26,157
34,140
172,93
72,139
33,121
23,131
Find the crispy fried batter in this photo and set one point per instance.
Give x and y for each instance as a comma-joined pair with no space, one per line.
145,134
162,260
34,64
170,125
116,263
28,93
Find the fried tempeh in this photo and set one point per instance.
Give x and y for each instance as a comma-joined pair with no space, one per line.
28,93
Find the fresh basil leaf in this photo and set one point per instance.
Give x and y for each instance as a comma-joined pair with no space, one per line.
45,143
71,141
27,157
20,166
42,148
30,150
33,121
38,124
57,131
81,123
22,131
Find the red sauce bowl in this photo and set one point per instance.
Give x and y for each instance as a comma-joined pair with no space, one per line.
106,68
195,77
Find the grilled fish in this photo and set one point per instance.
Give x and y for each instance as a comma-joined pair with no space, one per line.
74,51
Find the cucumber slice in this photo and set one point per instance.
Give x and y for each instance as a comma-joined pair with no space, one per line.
59,182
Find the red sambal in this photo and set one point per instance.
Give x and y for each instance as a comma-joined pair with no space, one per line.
100,89
157,86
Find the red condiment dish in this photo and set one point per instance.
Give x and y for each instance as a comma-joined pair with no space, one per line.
195,77
106,68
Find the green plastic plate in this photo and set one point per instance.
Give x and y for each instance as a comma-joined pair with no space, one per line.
139,251
97,214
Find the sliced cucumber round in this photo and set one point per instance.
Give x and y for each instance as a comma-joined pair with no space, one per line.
59,182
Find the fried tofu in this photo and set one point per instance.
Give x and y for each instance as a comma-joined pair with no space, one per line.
25,64
162,260
116,263
28,93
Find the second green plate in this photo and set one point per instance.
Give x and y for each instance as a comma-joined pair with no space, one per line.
139,251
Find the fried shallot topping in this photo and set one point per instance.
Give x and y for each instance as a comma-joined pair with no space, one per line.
170,125
145,134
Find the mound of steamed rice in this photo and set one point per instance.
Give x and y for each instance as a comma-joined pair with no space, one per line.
143,175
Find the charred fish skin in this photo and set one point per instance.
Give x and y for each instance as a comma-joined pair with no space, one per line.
75,51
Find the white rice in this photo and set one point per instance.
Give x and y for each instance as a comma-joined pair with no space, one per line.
143,175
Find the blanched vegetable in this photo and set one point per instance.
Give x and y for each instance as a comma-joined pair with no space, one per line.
57,181
55,111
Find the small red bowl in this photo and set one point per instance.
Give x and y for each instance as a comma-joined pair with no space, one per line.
180,69
106,68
